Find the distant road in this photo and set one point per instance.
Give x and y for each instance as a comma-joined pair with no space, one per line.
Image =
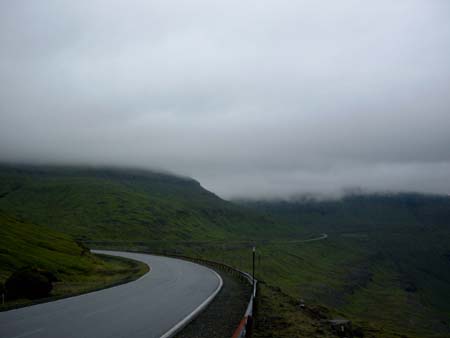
292,241
321,237
149,307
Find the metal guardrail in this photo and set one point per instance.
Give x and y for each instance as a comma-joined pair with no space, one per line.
245,326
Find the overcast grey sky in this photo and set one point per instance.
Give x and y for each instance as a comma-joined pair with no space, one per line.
252,98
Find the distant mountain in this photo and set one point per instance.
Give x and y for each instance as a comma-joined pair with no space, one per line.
353,213
125,204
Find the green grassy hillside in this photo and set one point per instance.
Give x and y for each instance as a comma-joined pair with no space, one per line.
23,244
77,270
124,204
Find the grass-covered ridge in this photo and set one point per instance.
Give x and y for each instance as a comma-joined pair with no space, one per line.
77,270
124,204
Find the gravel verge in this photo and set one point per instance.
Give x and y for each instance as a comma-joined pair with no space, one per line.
222,316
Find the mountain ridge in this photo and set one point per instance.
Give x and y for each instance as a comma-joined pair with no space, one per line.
117,203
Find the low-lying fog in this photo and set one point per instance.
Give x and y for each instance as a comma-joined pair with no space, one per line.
254,98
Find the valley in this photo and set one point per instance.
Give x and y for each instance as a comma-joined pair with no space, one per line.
383,264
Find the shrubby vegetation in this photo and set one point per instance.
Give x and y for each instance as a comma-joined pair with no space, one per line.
30,283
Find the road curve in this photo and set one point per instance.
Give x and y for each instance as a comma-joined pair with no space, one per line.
149,307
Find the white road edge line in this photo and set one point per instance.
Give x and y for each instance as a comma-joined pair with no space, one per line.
196,312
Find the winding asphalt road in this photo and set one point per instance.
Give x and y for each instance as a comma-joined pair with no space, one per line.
152,306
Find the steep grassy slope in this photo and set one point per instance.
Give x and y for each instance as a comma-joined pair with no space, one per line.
24,244
124,204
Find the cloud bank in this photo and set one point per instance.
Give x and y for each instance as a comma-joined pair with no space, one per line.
253,98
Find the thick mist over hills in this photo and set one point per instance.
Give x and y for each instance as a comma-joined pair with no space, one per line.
254,99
